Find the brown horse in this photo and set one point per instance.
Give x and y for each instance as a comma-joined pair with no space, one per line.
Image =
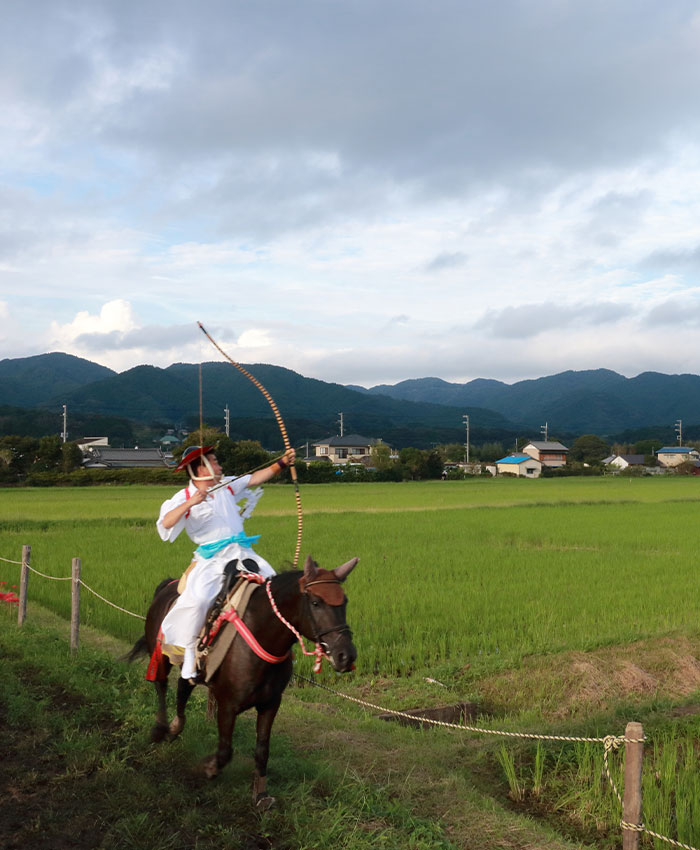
313,602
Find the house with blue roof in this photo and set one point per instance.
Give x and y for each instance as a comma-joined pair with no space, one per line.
520,465
675,455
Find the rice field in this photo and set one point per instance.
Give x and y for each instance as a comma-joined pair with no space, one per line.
450,573
479,573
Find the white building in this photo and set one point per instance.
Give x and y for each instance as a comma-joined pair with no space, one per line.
523,466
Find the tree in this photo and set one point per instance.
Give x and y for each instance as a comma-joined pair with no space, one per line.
453,452
243,456
647,447
381,456
589,448
71,457
49,456
489,452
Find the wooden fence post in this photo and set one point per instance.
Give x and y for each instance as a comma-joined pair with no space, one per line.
632,804
75,606
23,583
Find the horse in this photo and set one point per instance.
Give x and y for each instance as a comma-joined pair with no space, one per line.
313,602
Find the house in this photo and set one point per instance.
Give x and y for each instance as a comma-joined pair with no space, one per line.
341,450
547,452
675,455
521,465
624,461
101,457
84,443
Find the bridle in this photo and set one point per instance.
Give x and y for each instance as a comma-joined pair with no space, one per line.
322,649
342,629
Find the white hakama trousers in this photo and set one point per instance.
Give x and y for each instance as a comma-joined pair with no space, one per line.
184,621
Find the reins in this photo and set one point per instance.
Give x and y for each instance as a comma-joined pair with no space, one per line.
321,648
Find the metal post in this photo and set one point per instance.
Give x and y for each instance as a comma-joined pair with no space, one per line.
75,606
632,803
23,584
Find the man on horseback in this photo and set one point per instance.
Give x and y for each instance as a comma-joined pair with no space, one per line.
210,517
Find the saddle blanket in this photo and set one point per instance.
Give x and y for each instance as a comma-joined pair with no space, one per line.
209,660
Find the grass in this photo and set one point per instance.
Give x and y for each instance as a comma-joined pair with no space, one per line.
525,596
488,577
77,771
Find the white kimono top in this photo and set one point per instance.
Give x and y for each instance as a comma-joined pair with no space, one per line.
213,519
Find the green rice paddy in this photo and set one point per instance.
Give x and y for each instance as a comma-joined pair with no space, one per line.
450,573
453,575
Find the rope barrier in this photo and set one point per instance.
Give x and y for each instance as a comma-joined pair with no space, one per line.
610,744
464,728
86,586
53,578
130,613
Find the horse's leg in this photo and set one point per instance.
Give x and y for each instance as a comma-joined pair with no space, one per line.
266,717
184,690
226,719
160,728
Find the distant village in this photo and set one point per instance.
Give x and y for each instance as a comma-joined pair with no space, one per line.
355,450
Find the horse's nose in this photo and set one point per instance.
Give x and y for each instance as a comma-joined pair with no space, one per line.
344,659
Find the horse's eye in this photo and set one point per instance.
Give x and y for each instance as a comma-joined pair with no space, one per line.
315,603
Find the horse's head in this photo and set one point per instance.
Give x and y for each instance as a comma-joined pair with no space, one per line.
325,611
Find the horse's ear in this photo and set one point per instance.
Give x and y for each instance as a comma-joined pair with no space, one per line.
310,568
345,569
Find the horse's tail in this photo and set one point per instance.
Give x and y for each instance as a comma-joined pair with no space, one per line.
139,648
164,583
141,645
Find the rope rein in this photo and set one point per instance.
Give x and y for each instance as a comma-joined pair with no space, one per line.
318,652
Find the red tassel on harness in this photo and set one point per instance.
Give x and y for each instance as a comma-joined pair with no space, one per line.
156,668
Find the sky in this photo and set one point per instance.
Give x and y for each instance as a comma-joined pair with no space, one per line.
363,191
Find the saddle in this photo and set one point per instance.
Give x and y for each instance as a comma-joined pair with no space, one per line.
213,644
216,636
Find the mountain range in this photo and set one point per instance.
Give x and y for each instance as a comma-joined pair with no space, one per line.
596,401
170,398
417,412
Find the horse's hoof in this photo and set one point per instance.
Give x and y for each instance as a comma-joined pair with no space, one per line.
158,733
175,728
210,767
265,802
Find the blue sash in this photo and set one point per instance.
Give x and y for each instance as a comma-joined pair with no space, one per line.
208,550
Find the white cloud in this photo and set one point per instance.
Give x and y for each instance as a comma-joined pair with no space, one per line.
539,213
115,316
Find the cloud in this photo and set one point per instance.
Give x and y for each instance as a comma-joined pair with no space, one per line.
679,312
115,317
668,260
447,260
530,320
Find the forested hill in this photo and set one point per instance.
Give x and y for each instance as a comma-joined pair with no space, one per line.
415,412
170,396
595,401
32,381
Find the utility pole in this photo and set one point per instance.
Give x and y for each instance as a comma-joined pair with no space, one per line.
465,419
227,419
340,422
64,435
679,431
544,430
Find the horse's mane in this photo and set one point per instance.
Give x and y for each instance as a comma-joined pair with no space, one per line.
285,579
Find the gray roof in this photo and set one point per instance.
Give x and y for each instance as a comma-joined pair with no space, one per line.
548,446
109,458
634,460
348,441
